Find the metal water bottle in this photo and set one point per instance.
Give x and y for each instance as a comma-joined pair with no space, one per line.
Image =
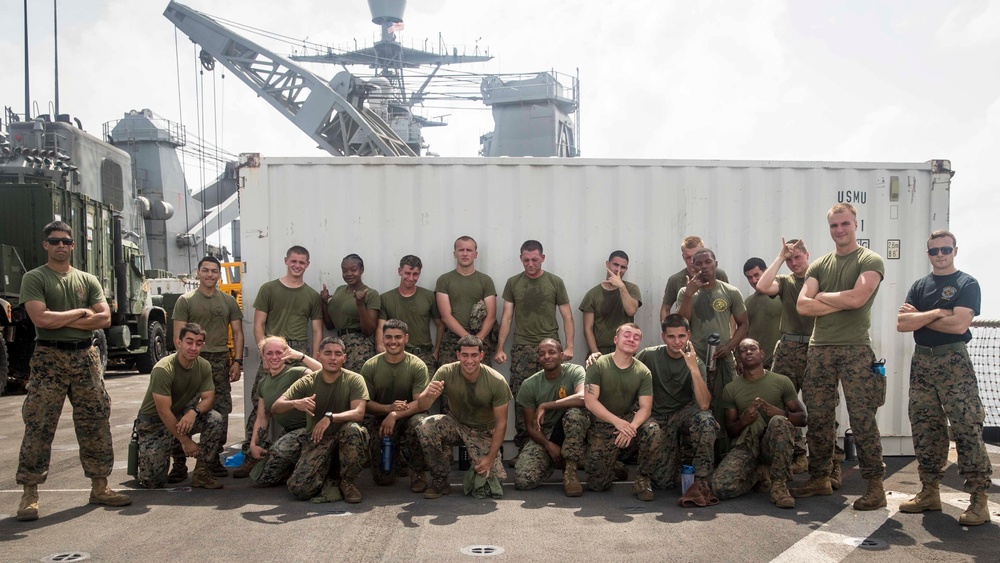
713,341
850,446
464,463
387,454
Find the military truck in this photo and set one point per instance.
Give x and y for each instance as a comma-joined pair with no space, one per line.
53,170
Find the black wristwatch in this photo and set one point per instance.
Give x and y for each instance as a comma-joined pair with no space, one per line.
238,360
196,411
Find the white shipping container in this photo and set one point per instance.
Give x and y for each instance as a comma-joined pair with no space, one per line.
583,209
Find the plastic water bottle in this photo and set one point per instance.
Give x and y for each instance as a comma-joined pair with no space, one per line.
387,454
687,478
234,460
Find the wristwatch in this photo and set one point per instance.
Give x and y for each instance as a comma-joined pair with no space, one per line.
196,411
238,360
329,415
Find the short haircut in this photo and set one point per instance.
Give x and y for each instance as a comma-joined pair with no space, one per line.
332,340
705,251
692,242
673,321
211,259
470,340
411,261
269,339
56,226
941,233
842,207
797,243
191,328
754,263
466,238
618,254
395,324
627,325
298,250
552,341
355,258
531,245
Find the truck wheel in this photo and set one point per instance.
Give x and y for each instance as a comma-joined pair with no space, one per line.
101,341
3,367
157,348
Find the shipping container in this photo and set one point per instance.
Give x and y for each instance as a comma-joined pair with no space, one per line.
583,209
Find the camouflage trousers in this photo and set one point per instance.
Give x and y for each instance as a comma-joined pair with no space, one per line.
55,375
717,380
223,403
851,365
696,427
360,349
534,464
449,350
602,453
251,417
790,361
281,456
737,473
156,444
316,462
439,432
943,389
405,447
523,364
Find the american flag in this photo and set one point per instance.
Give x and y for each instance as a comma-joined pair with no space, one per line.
395,27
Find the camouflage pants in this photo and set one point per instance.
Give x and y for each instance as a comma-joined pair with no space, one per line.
55,375
439,432
523,364
790,361
602,453
737,473
449,350
251,417
943,389
223,403
281,457
350,444
156,444
865,393
406,447
700,429
717,380
360,349
534,464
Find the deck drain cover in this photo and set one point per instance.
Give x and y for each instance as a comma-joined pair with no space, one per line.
482,550
67,556
867,543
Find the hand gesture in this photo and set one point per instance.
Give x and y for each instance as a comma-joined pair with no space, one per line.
306,405
359,296
787,249
435,388
749,415
615,279
694,283
325,294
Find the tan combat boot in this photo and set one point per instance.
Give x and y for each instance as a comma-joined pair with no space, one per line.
418,483
571,481
243,471
780,495
977,513
763,479
835,475
814,486
800,464
438,488
27,510
874,497
929,498
642,489
102,494
203,478
350,491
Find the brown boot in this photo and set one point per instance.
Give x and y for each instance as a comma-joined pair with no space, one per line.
571,481
929,498
102,494
835,475
216,468
814,486
243,471
780,495
178,472
977,513
439,487
874,496
203,478
800,464
642,489
763,479
351,493
418,483
27,510
621,472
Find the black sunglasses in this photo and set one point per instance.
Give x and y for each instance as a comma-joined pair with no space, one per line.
55,241
946,250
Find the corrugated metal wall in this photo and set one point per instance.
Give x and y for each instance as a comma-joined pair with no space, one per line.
581,210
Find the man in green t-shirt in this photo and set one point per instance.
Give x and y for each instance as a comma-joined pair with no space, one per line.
552,401
762,412
763,311
615,383
609,304
532,298
177,405
395,379
218,314
839,291
334,400
689,246
415,306
457,293
477,396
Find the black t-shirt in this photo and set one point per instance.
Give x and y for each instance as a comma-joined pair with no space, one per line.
943,292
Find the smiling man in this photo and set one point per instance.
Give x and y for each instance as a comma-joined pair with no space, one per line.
415,306
609,304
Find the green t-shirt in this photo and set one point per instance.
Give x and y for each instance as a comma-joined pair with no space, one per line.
169,378
471,403
273,386
710,311
792,322
672,387
214,314
463,292
774,388
343,308
61,292
387,382
537,389
620,388
609,313
535,302
416,311
679,280
764,313
840,273
333,397
289,309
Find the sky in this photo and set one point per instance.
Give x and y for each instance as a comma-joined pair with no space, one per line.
887,81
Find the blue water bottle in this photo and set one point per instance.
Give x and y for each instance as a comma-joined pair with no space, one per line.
387,454
687,478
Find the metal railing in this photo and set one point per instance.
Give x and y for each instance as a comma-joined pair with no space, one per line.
984,349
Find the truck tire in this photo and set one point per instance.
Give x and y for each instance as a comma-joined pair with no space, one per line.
157,348
101,341
3,367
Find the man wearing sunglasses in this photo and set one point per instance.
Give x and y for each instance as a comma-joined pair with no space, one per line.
66,306
938,310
